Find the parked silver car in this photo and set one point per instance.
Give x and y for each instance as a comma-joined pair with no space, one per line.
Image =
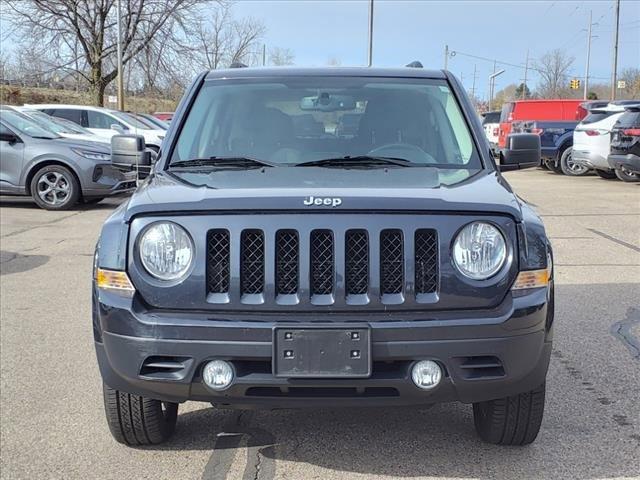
57,172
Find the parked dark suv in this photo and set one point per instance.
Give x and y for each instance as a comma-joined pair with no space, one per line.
625,145
260,267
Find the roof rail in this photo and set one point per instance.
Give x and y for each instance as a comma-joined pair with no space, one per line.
414,64
237,65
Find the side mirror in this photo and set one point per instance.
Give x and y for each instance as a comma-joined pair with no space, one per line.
8,137
523,151
129,151
117,127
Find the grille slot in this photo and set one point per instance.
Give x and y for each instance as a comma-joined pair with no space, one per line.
482,366
165,367
287,262
391,262
426,261
252,262
218,261
321,262
356,262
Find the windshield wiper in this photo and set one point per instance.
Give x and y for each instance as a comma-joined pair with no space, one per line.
225,162
358,161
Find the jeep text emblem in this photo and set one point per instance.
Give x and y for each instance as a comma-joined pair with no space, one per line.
326,201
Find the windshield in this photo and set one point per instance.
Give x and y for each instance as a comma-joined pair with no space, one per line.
27,126
131,120
48,122
302,119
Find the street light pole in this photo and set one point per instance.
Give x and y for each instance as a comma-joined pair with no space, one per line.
586,72
370,61
492,85
614,73
120,69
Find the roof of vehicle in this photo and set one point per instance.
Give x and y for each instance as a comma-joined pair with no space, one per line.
256,72
69,106
547,100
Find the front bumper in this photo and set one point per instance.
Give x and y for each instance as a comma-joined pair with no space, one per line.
129,336
107,181
629,162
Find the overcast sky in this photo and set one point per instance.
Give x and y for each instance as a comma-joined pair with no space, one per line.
406,30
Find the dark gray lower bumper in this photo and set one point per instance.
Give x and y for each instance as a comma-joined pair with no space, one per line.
629,162
517,334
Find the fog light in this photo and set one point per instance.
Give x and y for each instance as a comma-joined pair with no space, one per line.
217,374
426,374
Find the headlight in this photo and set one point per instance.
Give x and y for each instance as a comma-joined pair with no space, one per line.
93,155
166,250
479,251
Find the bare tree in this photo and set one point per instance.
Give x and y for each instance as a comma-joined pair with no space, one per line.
553,68
281,56
91,24
220,40
631,77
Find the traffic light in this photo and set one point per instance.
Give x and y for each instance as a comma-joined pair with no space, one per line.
574,84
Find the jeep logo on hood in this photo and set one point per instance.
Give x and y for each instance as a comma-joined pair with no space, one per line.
322,201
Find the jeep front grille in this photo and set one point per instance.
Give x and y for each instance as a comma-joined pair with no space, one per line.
322,266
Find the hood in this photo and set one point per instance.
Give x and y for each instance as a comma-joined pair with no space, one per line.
95,146
289,188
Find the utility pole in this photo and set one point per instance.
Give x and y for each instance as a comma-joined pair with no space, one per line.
614,73
446,56
526,70
473,86
264,54
120,69
370,62
586,71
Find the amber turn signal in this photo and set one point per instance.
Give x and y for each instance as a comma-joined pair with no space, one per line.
532,279
115,281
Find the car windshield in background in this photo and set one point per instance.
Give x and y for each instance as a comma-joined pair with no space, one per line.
131,120
25,125
298,120
47,122
491,117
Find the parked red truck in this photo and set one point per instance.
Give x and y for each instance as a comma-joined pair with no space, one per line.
537,110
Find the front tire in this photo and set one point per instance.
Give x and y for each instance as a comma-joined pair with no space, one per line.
511,420
569,167
55,187
134,420
627,176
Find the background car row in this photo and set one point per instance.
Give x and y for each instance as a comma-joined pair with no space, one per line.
61,154
576,137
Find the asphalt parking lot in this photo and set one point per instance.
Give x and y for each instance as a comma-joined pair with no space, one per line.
52,422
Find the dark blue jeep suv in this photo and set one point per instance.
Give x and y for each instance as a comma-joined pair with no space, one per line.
274,258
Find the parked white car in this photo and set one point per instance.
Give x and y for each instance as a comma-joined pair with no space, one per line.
105,122
491,126
64,128
592,139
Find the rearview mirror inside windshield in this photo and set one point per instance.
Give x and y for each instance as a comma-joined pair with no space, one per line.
325,102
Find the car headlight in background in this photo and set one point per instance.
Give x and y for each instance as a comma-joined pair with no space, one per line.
91,155
479,251
166,250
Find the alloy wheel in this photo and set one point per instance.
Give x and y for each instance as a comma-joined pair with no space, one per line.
54,188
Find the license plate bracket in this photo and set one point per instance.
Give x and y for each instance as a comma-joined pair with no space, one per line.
322,352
